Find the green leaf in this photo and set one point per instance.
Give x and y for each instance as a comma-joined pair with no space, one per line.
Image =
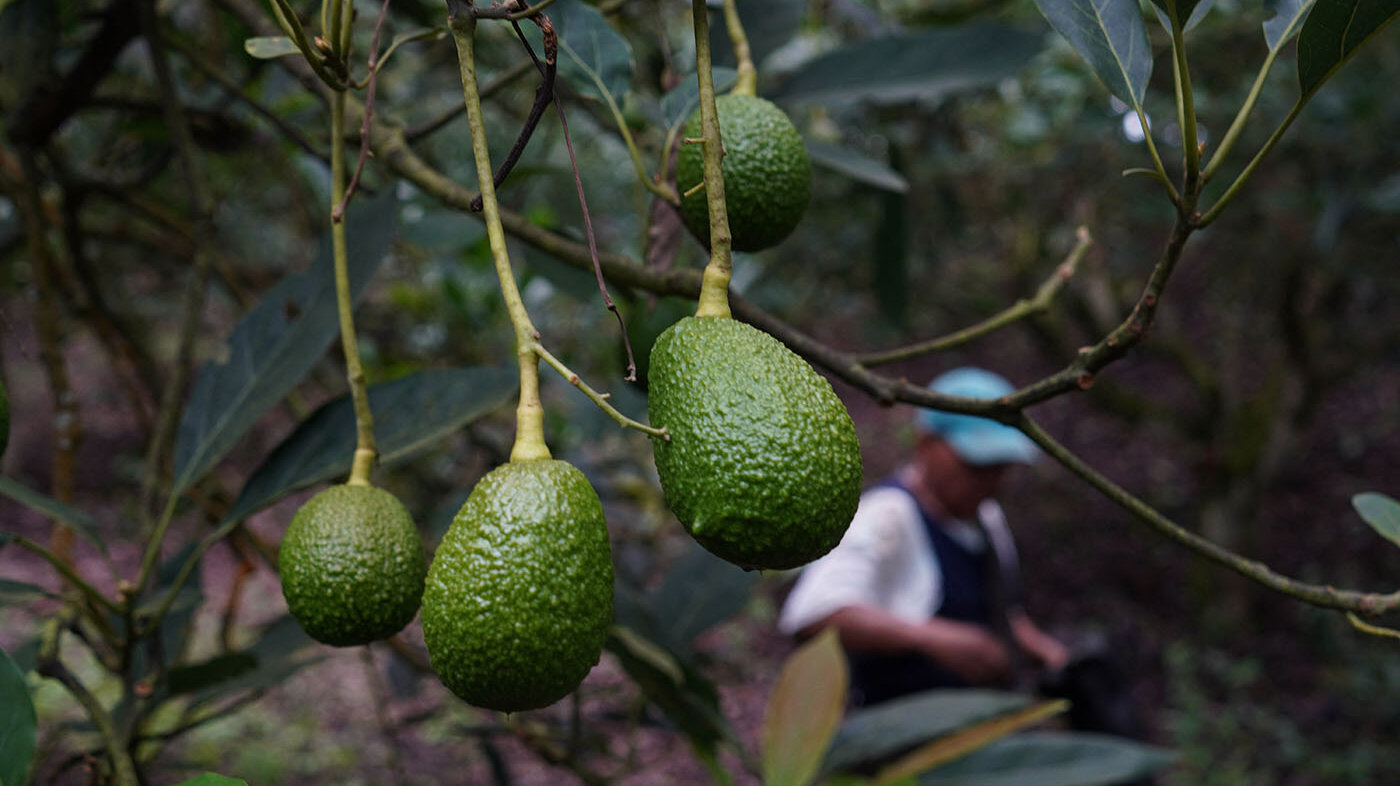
211,779
804,711
1052,759
875,734
191,677
1381,512
1334,33
410,413
857,166
22,592
268,47
17,724
1181,9
276,345
700,591
925,66
767,26
78,521
682,694
1198,13
1112,36
892,255
678,104
1287,20
596,59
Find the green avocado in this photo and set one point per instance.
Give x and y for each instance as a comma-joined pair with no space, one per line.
352,565
767,174
763,466
520,593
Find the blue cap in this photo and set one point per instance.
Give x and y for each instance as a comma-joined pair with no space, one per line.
977,440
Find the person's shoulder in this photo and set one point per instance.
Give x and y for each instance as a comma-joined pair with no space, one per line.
885,511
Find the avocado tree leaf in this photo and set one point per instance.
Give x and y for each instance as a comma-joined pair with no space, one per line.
678,104
271,46
595,60
891,251
804,711
1286,22
212,779
767,26
857,166
12,592
1112,36
964,741
676,688
78,521
410,413
276,344
1381,512
875,734
1198,13
927,66
1334,32
1052,759
700,591
18,724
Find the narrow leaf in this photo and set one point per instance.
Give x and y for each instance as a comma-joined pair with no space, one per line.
1286,22
891,252
1381,512
699,592
965,741
597,59
78,521
681,101
410,413
804,711
926,66
212,779
17,724
275,345
1334,32
857,166
875,734
268,47
685,696
1052,759
22,592
1112,36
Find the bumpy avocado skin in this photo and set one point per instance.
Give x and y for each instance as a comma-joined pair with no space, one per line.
352,565
520,592
763,466
767,174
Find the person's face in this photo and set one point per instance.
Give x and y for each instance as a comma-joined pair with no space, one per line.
959,486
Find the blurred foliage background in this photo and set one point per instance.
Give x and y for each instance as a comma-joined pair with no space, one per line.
1268,394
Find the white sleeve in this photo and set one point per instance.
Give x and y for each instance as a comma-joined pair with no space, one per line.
884,561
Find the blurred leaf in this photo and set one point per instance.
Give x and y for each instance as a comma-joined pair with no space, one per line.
857,166
1197,14
410,413
681,101
874,734
210,779
1052,759
681,693
595,58
1381,512
804,711
268,47
965,741
1287,20
78,521
767,26
1182,9
700,591
1112,36
1334,32
29,36
17,724
925,66
22,592
276,345
892,255
220,668
281,650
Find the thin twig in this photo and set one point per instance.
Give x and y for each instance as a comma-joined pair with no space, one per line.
338,213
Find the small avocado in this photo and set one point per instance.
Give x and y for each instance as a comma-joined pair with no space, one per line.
352,565
767,174
763,466
520,592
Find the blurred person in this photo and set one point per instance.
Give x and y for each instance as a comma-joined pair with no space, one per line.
924,587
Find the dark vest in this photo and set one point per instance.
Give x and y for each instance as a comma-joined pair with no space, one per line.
877,677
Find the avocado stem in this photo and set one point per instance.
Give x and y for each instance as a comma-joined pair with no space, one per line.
366,451
529,413
714,288
746,80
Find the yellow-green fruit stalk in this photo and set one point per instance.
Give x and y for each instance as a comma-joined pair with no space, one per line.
763,466
520,592
767,175
352,565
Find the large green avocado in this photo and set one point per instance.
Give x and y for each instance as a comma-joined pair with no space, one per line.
767,174
352,565
520,593
763,466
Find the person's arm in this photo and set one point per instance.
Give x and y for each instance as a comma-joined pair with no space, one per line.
1041,646
970,651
